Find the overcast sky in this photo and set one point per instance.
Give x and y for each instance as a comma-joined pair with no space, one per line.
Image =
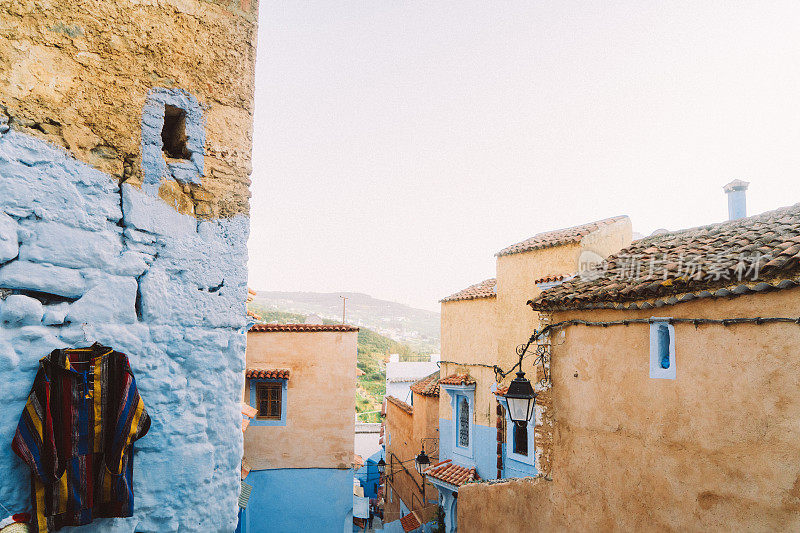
399,145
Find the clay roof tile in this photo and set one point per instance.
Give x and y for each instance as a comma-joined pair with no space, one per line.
484,289
703,262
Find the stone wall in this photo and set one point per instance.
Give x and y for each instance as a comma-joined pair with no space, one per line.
77,73
95,246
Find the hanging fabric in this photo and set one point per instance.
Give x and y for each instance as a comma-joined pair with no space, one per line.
76,434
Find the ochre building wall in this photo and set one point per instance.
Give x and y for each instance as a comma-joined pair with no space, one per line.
713,450
469,335
407,431
320,416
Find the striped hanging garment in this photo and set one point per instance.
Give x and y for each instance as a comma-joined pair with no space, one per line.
76,434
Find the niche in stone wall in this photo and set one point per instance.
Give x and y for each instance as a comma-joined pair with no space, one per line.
173,133
173,138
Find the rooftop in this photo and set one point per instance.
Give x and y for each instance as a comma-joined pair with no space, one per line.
559,237
484,289
452,473
427,386
457,379
303,327
400,404
754,254
409,522
409,371
263,372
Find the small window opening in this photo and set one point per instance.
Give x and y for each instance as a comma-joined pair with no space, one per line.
463,423
663,345
520,440
173,134
268,401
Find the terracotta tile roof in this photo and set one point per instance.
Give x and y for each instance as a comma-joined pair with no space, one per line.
484,289
559,237
719,260
303,327
452,473
427,386
501,391
272,373
551,279
409,522
457,379
401,404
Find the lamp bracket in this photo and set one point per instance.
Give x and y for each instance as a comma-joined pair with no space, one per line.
542,352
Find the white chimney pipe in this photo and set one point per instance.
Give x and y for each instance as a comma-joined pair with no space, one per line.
737,201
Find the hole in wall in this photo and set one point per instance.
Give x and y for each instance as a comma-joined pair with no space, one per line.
173,133
45,298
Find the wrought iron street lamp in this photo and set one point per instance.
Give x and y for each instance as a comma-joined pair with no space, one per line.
422,461
520,397
381,466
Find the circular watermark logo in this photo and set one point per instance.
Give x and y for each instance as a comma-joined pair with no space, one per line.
591,266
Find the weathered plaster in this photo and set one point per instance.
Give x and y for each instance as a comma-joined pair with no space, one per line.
713,450
408,432
78,73
100,262
319,427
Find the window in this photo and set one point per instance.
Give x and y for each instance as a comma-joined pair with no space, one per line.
663,345
662,349
268,401
463,423
520,440
173,133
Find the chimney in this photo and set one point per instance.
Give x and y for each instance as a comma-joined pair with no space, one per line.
737,203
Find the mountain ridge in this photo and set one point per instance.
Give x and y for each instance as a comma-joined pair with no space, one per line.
401,322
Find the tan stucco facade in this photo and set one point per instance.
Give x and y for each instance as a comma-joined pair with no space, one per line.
407,431
487,331
713,450
469,336
320,421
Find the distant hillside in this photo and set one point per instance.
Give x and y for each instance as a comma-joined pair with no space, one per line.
416,327
373,349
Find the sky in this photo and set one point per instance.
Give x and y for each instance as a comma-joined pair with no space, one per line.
399,145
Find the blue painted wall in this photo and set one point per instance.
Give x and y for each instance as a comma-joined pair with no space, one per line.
484,448
368,474
299,499
90,260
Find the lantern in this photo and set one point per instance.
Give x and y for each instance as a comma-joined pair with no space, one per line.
520,398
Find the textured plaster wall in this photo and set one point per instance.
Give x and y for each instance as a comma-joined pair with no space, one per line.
302,500
407,432
78,73
469,335
516,274
484,450
713,450
320,406
83,259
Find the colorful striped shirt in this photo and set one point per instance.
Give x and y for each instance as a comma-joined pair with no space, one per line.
76,434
